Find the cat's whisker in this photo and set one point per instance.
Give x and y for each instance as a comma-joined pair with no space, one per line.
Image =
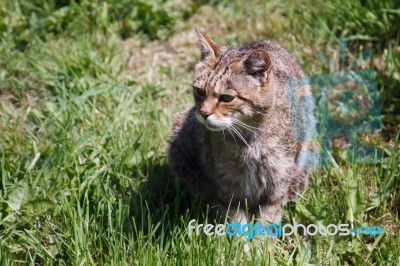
240,131
223,131
243,123
236,131
249,127
244,140
230,132
241,137
244,126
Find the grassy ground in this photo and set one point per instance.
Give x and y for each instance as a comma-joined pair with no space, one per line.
87,92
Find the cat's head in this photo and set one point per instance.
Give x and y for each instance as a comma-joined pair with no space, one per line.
231,86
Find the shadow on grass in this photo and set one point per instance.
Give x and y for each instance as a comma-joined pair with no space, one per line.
160,205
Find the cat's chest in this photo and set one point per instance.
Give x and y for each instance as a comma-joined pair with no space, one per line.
242,172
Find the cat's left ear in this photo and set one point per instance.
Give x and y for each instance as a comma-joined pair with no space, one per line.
209,49
258,64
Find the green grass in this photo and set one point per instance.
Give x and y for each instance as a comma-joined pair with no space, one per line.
87,94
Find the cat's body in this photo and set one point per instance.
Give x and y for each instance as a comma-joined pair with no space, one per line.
242,92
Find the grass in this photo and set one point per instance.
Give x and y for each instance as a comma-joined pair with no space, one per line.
87,94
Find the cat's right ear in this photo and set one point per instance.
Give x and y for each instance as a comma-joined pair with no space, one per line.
258,64
209,49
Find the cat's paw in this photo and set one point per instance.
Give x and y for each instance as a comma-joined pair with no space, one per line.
246,247
264,245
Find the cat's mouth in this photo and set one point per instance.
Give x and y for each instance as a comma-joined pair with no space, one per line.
212,123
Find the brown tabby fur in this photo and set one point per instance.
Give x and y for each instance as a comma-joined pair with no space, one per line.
255,173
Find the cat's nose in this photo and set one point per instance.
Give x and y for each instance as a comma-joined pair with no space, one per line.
205,114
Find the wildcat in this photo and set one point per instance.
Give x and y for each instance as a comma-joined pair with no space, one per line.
235,147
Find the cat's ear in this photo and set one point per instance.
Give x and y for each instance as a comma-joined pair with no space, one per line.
258,64
209,49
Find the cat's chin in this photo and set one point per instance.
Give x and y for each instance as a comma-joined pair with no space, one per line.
212,128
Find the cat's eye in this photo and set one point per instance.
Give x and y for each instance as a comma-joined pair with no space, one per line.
199,91
226,98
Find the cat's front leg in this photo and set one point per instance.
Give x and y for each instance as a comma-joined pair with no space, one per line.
268,214
222,214
241,217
